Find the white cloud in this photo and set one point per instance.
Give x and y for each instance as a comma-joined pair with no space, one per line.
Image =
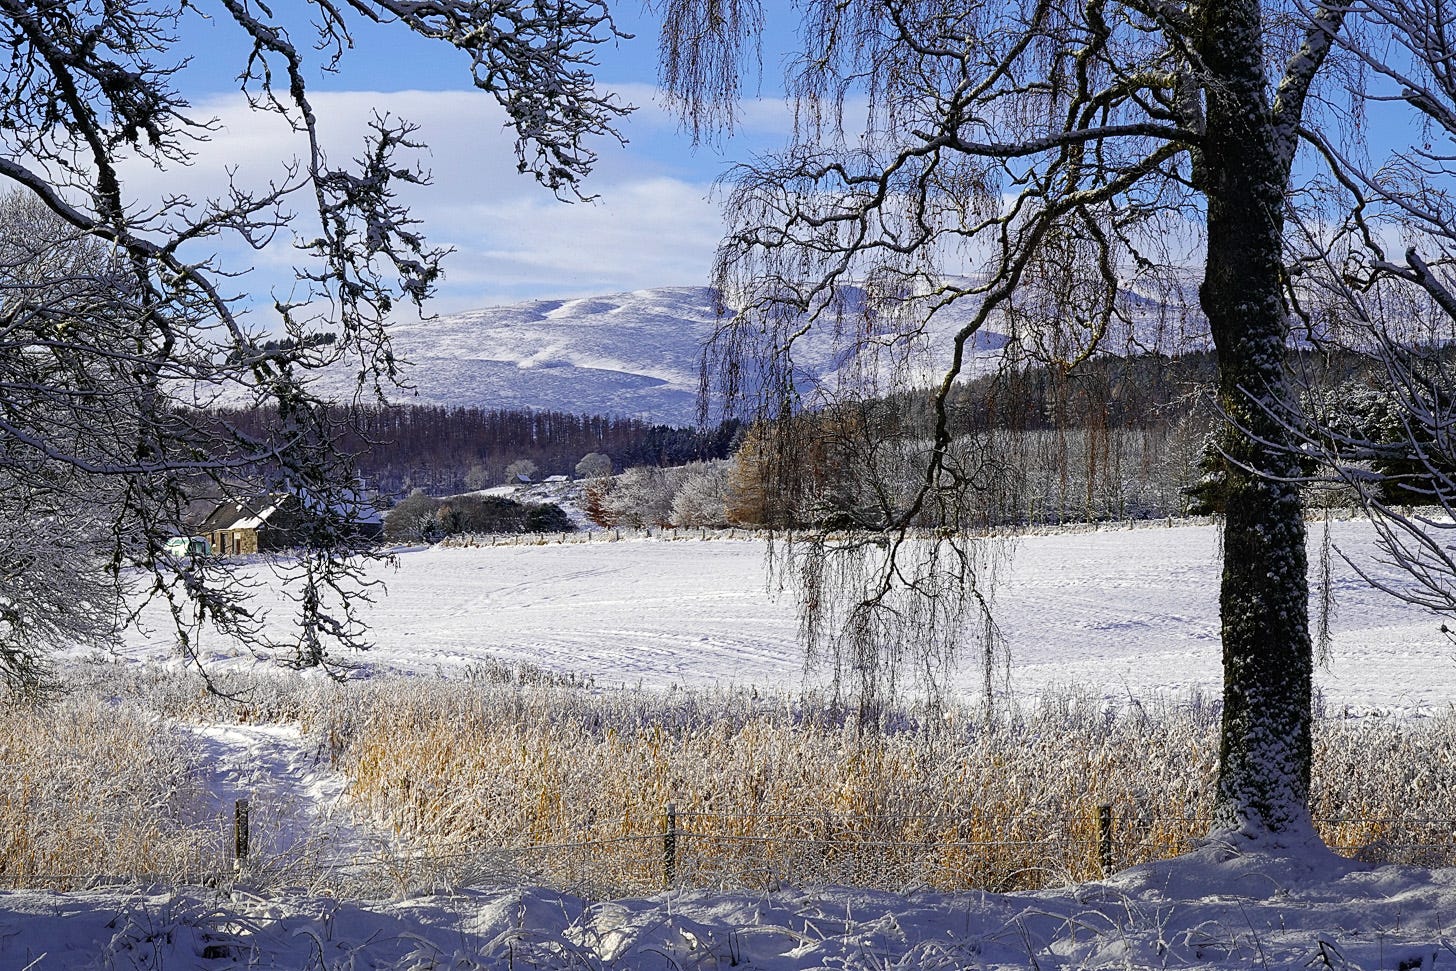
652,225
641,233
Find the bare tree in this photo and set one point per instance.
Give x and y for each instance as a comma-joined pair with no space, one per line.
520,468
51,591
594,465
1067,158
119,330
1378,279
699,499
477,478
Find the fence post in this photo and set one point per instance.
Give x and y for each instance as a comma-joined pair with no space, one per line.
240,832
1104,838
669,845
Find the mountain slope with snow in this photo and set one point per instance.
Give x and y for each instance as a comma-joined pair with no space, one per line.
635,354
631,354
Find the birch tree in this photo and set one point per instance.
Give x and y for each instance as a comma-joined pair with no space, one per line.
1375,274
1039,165
120,328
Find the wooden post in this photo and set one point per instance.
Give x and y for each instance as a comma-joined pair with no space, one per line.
1104,838
240,831
669,845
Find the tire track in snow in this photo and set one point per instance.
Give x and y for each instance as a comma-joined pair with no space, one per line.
1117,611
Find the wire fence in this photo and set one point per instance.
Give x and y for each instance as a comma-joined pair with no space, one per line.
618,534
614,534
736,851
672,534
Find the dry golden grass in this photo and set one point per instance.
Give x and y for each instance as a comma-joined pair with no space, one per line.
763,794
513,775
92,791
770,792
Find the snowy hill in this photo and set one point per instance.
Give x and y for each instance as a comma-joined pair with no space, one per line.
632,354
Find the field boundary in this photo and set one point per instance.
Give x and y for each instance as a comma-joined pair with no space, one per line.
617,534
710,851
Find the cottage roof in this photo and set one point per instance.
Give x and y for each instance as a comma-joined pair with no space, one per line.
256,521
250,513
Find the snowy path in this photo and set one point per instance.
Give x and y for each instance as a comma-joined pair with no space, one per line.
299,819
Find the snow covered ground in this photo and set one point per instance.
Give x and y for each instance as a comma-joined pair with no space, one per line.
300,821
1217,908
1122,611
1118,611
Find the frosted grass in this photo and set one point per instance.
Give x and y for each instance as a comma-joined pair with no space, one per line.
513,775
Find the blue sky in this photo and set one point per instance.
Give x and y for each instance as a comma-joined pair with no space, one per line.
655,223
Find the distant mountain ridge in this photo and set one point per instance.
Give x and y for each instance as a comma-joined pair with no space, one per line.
631,355
634,354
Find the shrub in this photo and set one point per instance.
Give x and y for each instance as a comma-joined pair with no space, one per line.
594,465
420,517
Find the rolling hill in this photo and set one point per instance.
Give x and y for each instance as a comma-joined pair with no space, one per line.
632,354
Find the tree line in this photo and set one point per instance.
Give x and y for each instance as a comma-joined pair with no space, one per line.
1113,438
421,518
443,451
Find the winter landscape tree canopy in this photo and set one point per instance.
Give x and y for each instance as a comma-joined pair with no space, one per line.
1064,159
120,328
1060,169
1047,166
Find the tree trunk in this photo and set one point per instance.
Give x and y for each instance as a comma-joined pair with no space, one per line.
1265,749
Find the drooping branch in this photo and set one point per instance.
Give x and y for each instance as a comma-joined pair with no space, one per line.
111,362
1053,228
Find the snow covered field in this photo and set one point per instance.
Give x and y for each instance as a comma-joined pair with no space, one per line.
1122,611
1119,611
